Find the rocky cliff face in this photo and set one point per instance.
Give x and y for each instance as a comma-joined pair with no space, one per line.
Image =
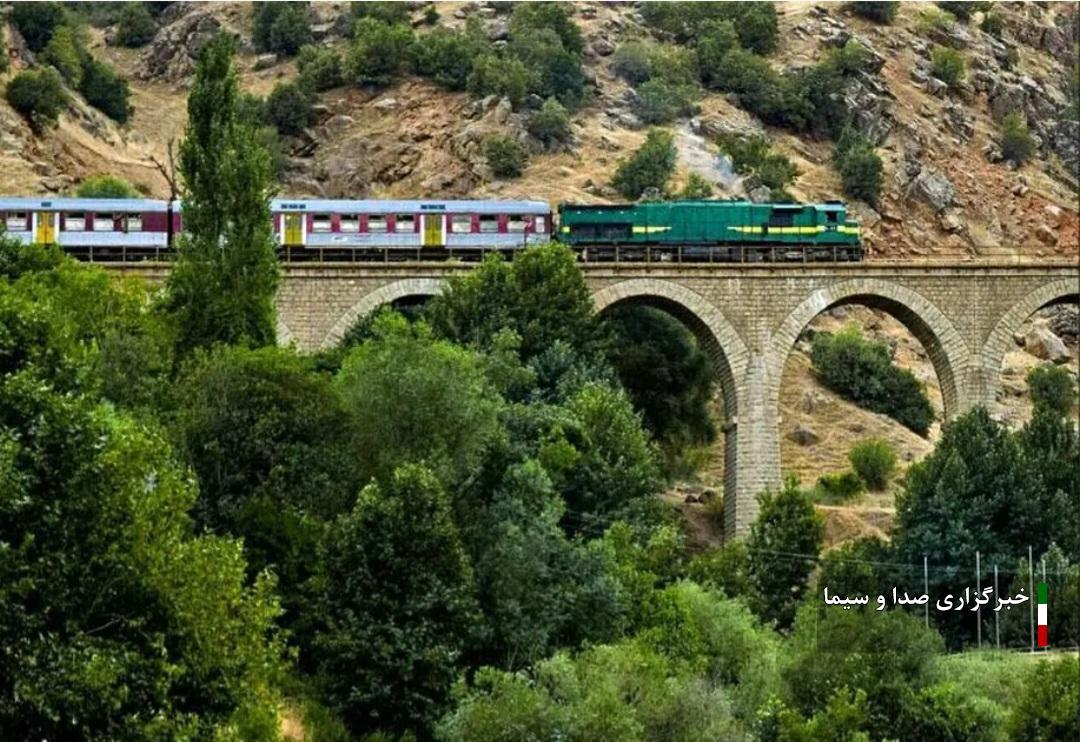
948,191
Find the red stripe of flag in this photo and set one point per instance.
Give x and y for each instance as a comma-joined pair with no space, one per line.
1043,639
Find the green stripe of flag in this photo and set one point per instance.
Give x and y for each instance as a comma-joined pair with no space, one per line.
1042,593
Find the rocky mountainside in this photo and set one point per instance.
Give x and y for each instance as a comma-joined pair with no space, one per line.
948,193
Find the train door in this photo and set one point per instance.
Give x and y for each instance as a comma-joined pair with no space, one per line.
292,230
433,224
45,232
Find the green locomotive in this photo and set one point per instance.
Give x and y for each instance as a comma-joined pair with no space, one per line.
739,231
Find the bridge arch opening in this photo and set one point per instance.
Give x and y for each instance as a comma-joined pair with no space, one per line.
405,294
818,426
1042,329
716,337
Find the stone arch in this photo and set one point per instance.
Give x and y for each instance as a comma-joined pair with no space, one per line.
717,336
387,294
1001,337
948,352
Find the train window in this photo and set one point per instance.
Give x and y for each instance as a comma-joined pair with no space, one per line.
16,221
134,222
350,223
461,223
104,223
405,223
830,216
540,224
376,223
516,223
489,223
75,222
320,223
781,219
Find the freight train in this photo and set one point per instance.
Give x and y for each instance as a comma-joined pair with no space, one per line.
690,231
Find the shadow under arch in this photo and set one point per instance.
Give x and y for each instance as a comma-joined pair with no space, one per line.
948,352
716,336
388,294
1000,339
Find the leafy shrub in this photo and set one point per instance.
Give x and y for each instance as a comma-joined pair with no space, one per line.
379,51
723,568
387,12
696,188
38,95
960,10
874,461
1048,706
946,711
551,123
880,12
931,17
447,56
65,52
431,16
106,186
757,28
850,58
319,66
532,18
36,22
135,26
289,108
281,27
1016,141
105,90
505,156
752,155
1052,388
658,101
993,24
755,23
553,70
859,167
948,65
717,38
649,167
505,77
862,371
838,487
632,61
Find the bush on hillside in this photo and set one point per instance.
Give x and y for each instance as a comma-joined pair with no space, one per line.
861,371
880,12
281,27
752,155
319,67
65,52
36,22
1053,388
136,26
948,65
387,12
1016,141
553,70
838,487
505,156
717,39
379,51
659,102
874,461
993,24
551,123
106,186
632,61
696,188
505,77
649,167
105,90
960,10
755,23
447,56
859,166
288,108
39,95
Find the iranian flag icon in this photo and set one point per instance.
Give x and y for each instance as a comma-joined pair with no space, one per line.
1043,639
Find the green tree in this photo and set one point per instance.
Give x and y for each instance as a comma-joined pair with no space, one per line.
787,525
1048,707
39,95
948,65
386,12
880,12
753,156
669,378
659,102
859,167
632,61
66,51
507,77
105,90
874,461
1016,141
415,399
993,24
551,123
36,22
320,67
289,108
649,167
529,18
379,51
505,156
696,188
281,27
105,186
1053,388
135,27
553,70
399,606
447,56
716,39
222,286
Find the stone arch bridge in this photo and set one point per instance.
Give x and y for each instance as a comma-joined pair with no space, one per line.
748,318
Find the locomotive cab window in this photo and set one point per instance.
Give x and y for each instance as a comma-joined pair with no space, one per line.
75,222
376,223
489,223
321,223
134,223
830,217
781,219
350,223
16,221
461,223
104,223
405,223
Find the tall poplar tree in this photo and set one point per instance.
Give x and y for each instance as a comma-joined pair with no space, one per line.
222,287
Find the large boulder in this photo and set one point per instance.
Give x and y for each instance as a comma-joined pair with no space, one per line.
172,53
934,188
1044,344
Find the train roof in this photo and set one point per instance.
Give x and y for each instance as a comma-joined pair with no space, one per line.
823,206
82,204
393,206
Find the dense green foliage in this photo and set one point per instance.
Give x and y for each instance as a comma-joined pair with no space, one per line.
135,26
551,123
36,22
281,27
993,24
288,108
649,167
696,187
504,155
960,10
222,286
1052,388
106,186
494,75
65,52
860,168
1016,141
948,65
863,372
448,56
753,156
319,67
379,52
38,95
882,12
874,461
688,21
105,90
